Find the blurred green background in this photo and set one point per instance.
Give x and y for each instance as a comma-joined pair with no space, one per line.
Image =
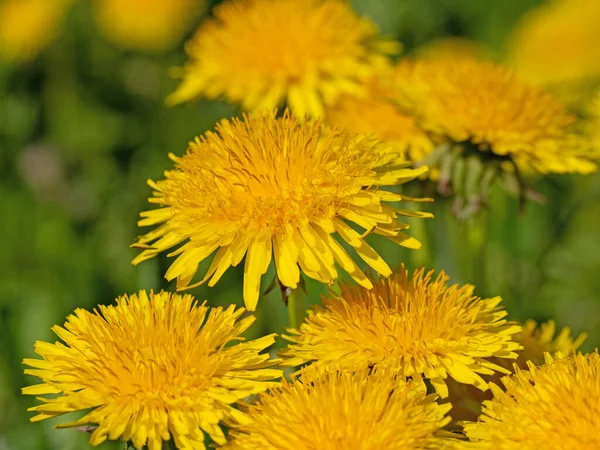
83,125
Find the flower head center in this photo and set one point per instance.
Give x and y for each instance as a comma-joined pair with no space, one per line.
263,180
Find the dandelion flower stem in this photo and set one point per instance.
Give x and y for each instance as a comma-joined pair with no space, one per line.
476,234
296,309
169,445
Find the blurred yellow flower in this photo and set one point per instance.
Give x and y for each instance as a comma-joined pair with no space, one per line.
484,105
263,53
268,187
556,406
151,368
417,325
536,341
368,410
377,113
28,26
146,25
558,42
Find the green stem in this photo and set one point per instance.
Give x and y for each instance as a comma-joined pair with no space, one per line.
476,235
418,230
296,309
169,445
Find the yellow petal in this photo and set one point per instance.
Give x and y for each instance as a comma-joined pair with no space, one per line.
192,256
347,263
286,260
372,258
258,259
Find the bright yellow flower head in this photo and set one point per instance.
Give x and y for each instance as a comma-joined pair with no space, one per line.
417,325
556,406
28,26
278,188
490,108
377,113
146,25
262,53
536,342
345,411
152,368
558,41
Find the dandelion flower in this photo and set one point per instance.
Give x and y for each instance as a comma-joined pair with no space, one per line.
342,410
28,26
150,368
489,107
417,325
262,53
280,188
536,341
557,43
556,406
489,124
378,114
146,25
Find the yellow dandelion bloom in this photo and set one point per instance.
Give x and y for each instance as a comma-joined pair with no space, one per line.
536,341
377,113
28,26
151,368
557,42
262,53
488,108
341,410
276,188
146,25
417,325
555,406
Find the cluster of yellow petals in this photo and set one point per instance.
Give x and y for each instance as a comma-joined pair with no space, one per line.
264,53
418,325
28,26
553,406
146,25
557,43
377,113
536,342
277,188
152,368
484,104
331,410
